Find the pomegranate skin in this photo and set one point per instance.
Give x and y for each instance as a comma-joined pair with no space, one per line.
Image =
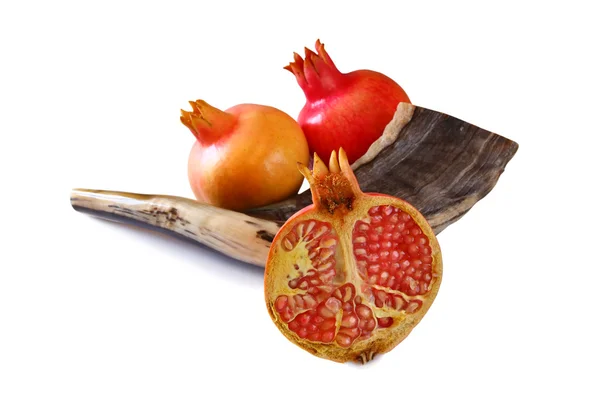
347,110
247,158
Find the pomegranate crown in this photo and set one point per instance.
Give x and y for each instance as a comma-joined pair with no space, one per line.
333,189
316,74
206,122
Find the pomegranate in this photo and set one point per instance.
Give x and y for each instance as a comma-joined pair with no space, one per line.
343,110
244,157
351,275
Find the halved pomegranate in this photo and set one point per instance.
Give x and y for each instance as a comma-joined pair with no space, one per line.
351,275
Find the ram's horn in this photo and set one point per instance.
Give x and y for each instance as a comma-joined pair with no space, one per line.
234,234
438,163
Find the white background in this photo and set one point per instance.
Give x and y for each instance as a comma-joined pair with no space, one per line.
90,94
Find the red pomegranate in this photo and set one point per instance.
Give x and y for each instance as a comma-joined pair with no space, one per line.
343,110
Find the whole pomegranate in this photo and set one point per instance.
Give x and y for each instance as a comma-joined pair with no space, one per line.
351,275
347,110
244,157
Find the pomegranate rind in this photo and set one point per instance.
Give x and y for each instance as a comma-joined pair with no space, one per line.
382,340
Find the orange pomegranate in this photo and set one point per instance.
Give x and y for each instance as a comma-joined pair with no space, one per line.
351,275
244,157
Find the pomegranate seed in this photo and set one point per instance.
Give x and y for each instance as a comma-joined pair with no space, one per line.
302,333
370,326
374,210
343,340
314,336
374,268
328,324
327,336
280,303
385,322
349,321
333,304
413,250
304,319
363,311
373,247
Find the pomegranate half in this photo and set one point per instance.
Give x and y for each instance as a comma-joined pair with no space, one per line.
350,276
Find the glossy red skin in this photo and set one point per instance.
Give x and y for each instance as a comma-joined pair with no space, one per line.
338,120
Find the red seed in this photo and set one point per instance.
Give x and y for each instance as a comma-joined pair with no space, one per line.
343,340
376,219
349,321
280,303
304,319
413,250
370,326
363,311
384,322
374,210
327,324
327,336
391,282
314,336
302,333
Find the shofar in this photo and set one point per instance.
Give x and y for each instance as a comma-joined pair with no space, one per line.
438,163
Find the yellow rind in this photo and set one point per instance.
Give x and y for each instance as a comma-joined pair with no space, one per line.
382,340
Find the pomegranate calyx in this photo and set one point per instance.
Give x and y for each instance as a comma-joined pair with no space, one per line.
334,189
316,74
206,122
366,356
